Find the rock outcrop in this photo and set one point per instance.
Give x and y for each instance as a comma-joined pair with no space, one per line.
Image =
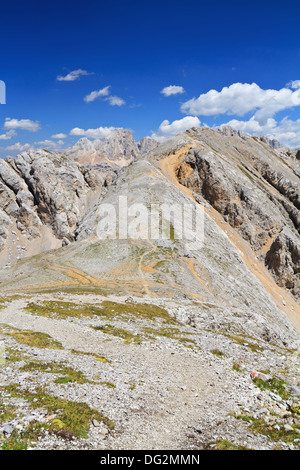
146,145
254,187
117,150
42,197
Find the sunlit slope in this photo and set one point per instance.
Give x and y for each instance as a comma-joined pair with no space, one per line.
216,280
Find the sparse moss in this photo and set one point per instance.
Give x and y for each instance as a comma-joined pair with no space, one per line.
107,309
75,416
137,310
171,333
95,356
69,374
275,385
242,341
120,333
7,412
108,384
32,338
132,386
217,353
259,426
246,173
15,442
225,444
13,355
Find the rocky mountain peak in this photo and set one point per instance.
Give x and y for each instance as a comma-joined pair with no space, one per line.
146,145
117,150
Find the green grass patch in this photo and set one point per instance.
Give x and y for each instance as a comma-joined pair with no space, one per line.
26,438
275,385
217,353
97,357
108,310
259,426
7,412
127,336
225,444
108,384
242,341
69,374
72,417
13,355
32,338
171,333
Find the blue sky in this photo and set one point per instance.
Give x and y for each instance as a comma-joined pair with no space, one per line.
152,67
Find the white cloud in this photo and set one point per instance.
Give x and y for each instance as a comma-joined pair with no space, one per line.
97,94
167,129
172,90
72,76
105,94
22,124
115,101
253,127
294,84
46,144
8,135
19,147
58,136
241,98
99,133
49,144
286,131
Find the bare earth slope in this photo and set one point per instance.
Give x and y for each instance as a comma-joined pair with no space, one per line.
255,188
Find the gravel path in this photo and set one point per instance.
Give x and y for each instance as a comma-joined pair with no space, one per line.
182,398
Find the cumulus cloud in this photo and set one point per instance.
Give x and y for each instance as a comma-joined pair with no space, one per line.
97,94
8,135
286,131
22,124
294,84
58,136
241,98
19,147
49,144
172,90
46,144
72,76
98,133
167,129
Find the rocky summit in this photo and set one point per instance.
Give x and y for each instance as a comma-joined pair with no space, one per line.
151,342
117,150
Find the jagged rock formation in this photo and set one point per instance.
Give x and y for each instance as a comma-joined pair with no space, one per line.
146,145
117,150
254,188
42,197
229,132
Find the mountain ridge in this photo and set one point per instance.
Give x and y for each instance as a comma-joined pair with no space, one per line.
163,343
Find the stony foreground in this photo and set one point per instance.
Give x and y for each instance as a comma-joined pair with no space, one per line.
81,371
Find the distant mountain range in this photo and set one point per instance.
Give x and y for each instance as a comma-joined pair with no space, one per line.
117,150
